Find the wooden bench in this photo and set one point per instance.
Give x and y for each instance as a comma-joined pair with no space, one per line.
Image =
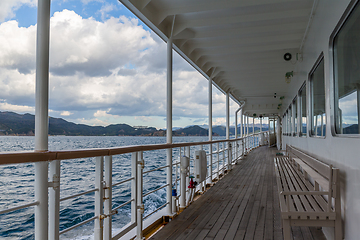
305,186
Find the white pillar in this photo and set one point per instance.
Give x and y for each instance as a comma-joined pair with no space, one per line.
227,116
253,131
241,123
41,118
228,129
169,127
260,124
210,130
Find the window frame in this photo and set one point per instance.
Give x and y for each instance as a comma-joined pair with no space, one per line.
347,13
300,104
295,116
311,97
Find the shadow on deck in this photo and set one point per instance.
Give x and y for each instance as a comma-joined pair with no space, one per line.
242,205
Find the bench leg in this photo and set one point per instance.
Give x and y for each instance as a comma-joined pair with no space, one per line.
286,229
338,230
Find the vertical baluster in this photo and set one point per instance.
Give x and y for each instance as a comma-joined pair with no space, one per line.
210,163
189,168
99,171
140,205
134,186
108,198
54,200
218,161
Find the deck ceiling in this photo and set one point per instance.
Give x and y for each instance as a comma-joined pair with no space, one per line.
239,43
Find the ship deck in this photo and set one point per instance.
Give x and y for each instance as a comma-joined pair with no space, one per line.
242,205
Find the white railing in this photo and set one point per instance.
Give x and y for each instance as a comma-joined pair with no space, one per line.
221,155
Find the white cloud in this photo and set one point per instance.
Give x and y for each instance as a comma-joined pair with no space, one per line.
103,70
66,113
16,108
105,9
219,121
8,7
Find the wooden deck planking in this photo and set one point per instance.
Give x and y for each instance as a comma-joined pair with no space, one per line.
242,205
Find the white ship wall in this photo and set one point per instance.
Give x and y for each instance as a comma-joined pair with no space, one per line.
342,152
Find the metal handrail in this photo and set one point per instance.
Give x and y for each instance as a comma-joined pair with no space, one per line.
19,207
157,189
123,181
78,225
33,156
79,194
155,169
155,210
121,205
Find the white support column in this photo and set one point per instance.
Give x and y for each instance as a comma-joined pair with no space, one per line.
253,131
99,175
241,123
41,118
227,116
108,198
242,131
169,127
210,131
260,124
228,130
247,134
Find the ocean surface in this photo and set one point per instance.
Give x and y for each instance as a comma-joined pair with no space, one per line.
17,183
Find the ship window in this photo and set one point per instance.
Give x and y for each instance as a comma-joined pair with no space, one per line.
302,99
318,115
347,75
285,123
289,121
295,116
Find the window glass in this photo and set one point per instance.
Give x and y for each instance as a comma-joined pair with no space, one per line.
318,120
289,121
295,116
303,127
347,75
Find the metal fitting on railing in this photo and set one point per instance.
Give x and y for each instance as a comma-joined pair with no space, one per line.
141,162
113,212
55,183
141,208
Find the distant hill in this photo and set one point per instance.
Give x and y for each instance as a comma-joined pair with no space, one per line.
24,124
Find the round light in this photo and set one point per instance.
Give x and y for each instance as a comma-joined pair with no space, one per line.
287,56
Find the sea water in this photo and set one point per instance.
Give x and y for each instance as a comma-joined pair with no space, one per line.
78,175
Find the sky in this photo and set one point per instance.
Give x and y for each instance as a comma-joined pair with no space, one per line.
106,67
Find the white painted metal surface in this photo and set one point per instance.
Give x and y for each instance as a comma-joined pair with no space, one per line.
103,183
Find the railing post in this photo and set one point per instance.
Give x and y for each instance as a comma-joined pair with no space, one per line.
99,184
210,163
41,118
140,205
187,153
218,161
108,198
134,186
229,165
54,200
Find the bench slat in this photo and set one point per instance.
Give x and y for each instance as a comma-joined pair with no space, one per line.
306,200
316,201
